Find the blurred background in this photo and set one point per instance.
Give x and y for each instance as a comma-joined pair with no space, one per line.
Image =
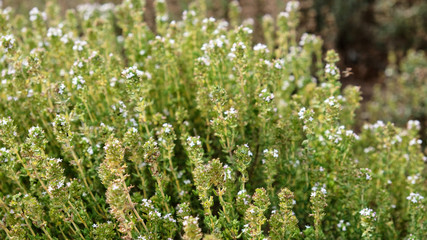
381,41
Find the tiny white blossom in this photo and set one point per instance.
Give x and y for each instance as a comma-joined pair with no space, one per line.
415,197
7,41
414,124
89,150
301,113
261,48
367,212
79,45
292,6
54,32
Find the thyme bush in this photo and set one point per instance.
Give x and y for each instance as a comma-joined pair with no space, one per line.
110,130
402,95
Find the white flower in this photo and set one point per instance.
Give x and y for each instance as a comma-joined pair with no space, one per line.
169,217
367,212
331,69
66,37
323,190
275,153
78,45
78,81
283,15
343,225
247,30
231,112
331,101
7,42
415,197
292,6
378,124
30,93
147,203
236,46
61,88
368,149
227,172
245,228
307,38
243,191
54,32
204,60
267,63
215,43
60,184
414,124
301,113
35,13
261,48
167,127
89,150
413,179
415,142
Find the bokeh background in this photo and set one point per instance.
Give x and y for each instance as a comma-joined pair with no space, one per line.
381,41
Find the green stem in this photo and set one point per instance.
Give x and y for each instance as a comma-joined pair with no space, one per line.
83,177
142,181
163,194
29,226
47,233
173,171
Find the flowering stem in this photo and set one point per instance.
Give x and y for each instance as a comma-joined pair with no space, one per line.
50,195
16,178
29,226
63,234
133,205
47,233
163,194
78,214
77,229
173,171
92,119
83,176
6,230
142,181
223,205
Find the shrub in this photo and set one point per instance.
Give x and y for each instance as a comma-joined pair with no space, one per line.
402,96
110,130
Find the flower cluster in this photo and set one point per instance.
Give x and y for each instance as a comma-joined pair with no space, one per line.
368,213
187,129
415,198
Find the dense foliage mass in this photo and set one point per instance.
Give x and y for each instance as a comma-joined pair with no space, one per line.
110,130
403,96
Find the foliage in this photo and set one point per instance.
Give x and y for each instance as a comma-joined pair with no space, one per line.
110,130
402,96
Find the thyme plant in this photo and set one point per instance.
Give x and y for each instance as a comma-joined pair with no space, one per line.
112,130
